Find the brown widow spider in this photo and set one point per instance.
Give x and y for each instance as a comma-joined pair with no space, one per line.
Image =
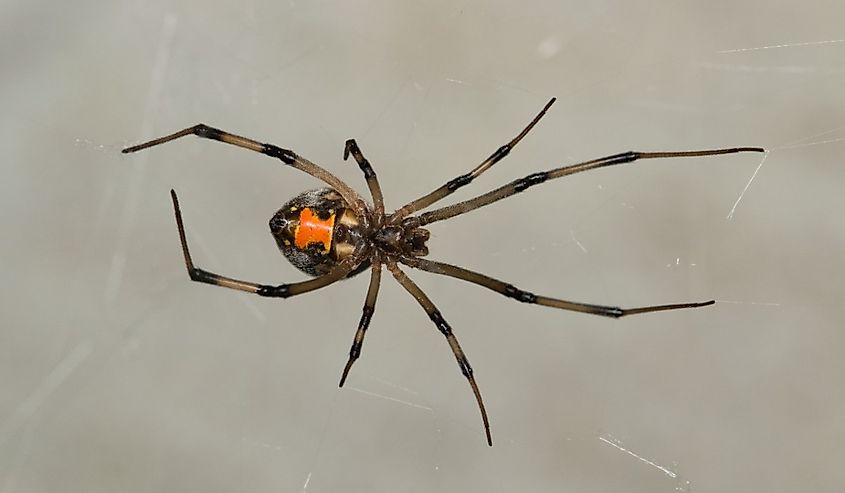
332,234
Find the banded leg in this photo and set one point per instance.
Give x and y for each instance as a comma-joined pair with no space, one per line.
285,155
369,174
526,182
279,291
446,330
449,187
512,291
369,309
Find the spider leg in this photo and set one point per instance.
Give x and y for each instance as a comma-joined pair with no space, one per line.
449,187
369,174
512,291
369,308
446,330
526,182
280,291
285,155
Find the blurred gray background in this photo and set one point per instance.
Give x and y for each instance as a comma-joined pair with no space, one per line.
119,374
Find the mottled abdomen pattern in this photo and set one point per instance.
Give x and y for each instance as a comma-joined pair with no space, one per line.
315,230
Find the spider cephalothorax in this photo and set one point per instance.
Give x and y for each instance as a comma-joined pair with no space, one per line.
401,240
331,233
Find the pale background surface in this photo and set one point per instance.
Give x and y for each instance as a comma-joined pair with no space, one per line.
119,374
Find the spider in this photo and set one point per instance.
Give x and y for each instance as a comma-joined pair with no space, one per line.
332,234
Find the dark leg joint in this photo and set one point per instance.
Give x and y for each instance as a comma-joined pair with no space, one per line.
458,182
280,291
441,324
512,291
287,156
500,153
529,181
363,163
614,312
206,132
625,157
366,317
465,368
200,275
366,168
355,351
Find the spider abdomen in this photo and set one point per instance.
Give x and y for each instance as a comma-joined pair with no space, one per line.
315,230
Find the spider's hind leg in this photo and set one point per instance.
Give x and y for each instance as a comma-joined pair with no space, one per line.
351,147
369,309
287,156
279,291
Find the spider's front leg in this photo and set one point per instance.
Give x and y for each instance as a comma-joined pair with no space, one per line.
279,291
452,185
526,182
511,291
